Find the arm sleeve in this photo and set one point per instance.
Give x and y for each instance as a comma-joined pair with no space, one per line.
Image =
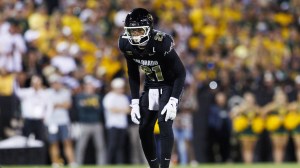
133,72
179,71
173,61
134,78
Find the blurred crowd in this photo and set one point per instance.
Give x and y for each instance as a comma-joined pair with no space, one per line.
60,68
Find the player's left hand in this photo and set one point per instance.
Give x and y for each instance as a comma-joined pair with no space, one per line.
170,109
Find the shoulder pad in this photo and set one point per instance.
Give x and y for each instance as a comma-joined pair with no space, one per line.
122,43
168,44
164,42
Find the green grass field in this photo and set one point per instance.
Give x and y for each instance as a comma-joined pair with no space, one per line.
292,165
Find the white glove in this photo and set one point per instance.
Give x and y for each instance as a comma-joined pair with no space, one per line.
135,111
170,109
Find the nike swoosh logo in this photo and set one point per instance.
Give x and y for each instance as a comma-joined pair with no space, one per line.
153,160
167,159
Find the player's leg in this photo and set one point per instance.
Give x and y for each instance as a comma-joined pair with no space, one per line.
148,119
167,141
166,131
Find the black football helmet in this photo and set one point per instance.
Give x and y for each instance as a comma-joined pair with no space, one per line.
138,27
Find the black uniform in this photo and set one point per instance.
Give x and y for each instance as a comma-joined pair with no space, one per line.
158,60
163,70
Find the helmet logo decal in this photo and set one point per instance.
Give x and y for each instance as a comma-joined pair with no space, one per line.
149,16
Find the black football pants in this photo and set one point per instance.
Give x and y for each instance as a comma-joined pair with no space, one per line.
148,119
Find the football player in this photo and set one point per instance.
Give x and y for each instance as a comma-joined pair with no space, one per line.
152,52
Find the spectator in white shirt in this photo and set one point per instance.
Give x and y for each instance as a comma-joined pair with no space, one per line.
64,62
116,108
12,47
34,106
58,121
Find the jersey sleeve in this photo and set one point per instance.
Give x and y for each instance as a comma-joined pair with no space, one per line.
175,64
134,78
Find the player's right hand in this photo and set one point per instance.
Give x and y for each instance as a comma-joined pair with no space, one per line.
135,111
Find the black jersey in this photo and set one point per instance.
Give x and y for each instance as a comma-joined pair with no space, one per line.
158,60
